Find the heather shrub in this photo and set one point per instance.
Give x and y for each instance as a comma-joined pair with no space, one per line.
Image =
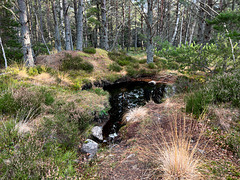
76,63
121,58
225,88
114,67
89,50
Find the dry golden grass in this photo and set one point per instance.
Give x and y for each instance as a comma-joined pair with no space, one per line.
171,148
135,115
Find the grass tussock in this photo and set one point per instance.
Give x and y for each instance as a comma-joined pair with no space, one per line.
135,115
171,149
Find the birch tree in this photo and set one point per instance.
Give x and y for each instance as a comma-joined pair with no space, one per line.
25,35
4,56
67,25
80,26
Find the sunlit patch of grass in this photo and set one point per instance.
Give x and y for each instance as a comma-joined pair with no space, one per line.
83,54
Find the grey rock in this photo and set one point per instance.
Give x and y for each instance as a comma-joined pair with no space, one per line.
97,132
90,147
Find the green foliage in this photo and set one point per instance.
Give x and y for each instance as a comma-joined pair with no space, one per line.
89,50
32,71
40,48
121,58
9,35
22,157
142,61
197,102
151,66
229,20
195,57
114,67
185,84
76,63
100,92
225,87
131,71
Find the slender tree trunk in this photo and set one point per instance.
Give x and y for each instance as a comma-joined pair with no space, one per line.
177,22
67,25
192,33
142,27
104,25
116,32
123,16
129,26
201,24
25,37
62,21
187,29
4,56
80,26
136,35
149,31
58,44
181,30
208,27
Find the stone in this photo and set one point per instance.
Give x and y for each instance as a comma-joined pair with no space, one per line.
90,147
97,132
153,83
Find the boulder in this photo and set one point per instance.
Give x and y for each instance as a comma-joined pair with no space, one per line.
97,132
90,147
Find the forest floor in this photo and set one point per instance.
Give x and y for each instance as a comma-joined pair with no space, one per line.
133,157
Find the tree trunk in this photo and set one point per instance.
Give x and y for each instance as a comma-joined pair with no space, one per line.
149,32
25,37
177,22
136,35
129,26
58,44
142,27
80,26
67,25
192,33
4,56
181,29
104,25
201,24
208,27
62,21
123,16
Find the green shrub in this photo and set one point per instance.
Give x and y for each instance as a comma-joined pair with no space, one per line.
89,50
225,87
173,65
41,69
131,71
49,99
197,102
142,61
121,58
8,104
151,66
185,84
100,92
32,71
76,63
114,67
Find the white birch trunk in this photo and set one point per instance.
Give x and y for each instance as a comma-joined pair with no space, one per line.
25,36
177,22
4,56
181,28
193,28
67,26
80,26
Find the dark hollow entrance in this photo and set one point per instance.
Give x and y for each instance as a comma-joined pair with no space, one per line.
124,96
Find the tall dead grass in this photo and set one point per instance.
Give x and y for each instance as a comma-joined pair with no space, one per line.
170,146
